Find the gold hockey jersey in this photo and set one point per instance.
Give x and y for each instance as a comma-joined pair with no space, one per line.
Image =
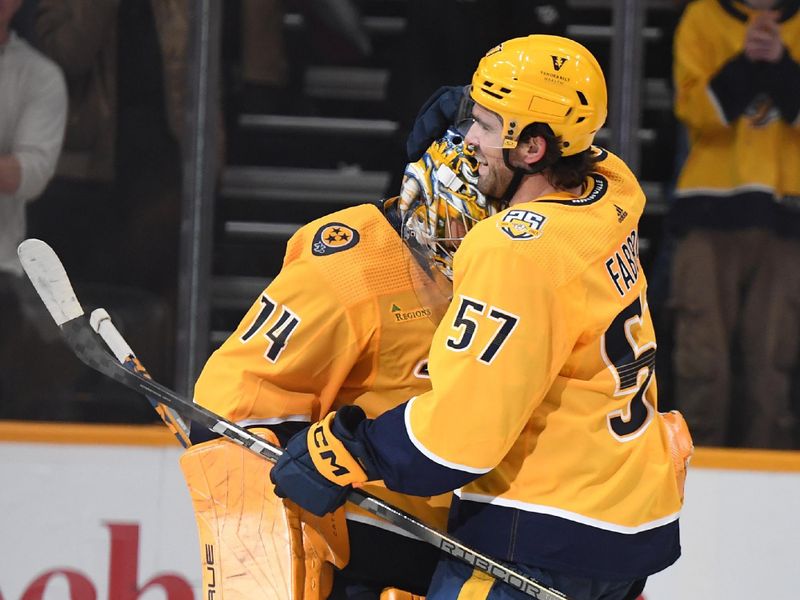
342,323
543,411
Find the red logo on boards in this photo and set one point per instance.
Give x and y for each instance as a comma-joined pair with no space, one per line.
123,574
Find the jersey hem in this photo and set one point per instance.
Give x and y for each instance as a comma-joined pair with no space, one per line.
549,541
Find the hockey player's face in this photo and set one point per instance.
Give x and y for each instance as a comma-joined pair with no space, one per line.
485,136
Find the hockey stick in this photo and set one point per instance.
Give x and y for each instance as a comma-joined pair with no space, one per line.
48,276
101,323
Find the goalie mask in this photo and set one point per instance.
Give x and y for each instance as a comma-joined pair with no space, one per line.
439,202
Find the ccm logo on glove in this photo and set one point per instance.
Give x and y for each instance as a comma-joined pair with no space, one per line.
330,456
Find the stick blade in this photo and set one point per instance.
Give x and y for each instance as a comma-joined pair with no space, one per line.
47,274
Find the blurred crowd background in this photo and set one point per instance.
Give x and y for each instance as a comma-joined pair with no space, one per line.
167,150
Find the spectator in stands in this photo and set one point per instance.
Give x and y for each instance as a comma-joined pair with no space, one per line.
336,33
735,287
119,178
33,110
264,69
125,63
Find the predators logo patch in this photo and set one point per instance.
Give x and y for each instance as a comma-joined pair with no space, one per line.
332,238
522,224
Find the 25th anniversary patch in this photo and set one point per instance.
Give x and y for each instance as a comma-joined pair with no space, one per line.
522,224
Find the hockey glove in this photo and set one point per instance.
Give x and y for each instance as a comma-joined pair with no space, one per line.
439,112
322,463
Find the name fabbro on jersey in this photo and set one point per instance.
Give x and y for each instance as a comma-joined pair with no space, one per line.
623,265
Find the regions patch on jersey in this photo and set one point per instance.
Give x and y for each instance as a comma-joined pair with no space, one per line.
402,316
522,224
332,238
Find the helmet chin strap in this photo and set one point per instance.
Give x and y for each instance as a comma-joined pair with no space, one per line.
519,173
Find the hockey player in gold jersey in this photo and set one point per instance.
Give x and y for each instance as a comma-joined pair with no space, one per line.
347,321
543,415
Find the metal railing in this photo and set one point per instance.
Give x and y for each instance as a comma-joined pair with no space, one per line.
199,182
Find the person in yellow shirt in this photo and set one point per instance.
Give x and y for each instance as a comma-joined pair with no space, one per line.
736,271
543,413
347,321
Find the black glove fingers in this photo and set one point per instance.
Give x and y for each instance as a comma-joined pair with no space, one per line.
436,115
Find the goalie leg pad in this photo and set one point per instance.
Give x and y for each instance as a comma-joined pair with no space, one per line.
252,543
325,545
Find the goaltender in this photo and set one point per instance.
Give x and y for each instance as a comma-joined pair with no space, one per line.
347,321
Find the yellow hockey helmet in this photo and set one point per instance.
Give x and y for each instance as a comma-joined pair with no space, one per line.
439,200
543,79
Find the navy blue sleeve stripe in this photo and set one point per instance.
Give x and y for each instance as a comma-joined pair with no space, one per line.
733,86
